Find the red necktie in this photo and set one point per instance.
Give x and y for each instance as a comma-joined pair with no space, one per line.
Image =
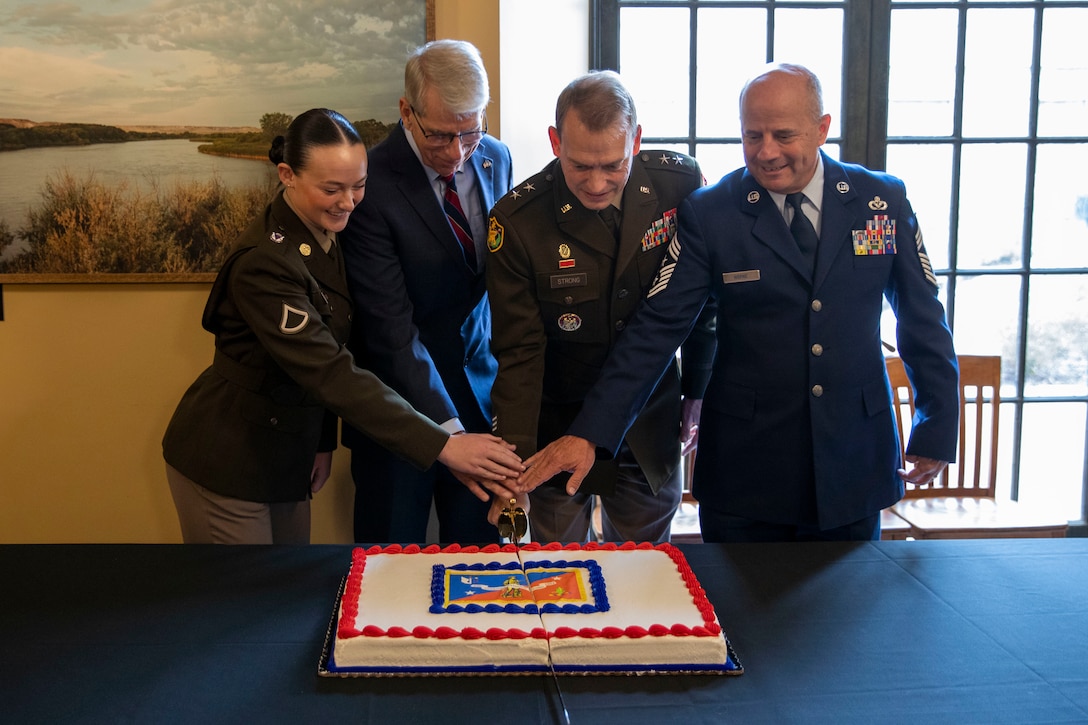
458,220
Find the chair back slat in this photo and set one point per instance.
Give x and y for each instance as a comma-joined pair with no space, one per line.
980,390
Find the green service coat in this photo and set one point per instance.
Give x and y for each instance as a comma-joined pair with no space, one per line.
253,422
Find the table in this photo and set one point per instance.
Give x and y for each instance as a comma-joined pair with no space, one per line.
983,631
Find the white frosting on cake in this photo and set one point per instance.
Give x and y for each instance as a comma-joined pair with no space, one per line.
655,615
645,591
396,595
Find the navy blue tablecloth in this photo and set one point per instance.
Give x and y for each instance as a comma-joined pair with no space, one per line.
892,631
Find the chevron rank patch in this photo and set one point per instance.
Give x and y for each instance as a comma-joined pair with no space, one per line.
293,320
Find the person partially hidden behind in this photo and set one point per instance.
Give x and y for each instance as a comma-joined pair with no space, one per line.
252,438
414,250
797,434
573,250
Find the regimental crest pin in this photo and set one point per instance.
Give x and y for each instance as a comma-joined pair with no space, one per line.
569,322
276,237
304,249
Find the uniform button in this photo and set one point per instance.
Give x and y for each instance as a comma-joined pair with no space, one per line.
817,390
568,300
817,305
620,325
622,293
274,421
817,349
350,318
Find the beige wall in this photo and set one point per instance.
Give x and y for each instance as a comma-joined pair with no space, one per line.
90,374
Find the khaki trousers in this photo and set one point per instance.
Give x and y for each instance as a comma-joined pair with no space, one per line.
209,518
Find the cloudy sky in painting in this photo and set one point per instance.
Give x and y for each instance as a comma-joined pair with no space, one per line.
203,62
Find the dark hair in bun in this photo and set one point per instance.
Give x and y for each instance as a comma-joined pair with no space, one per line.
316,127
275,154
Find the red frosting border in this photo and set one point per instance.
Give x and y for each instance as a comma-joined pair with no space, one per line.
349,609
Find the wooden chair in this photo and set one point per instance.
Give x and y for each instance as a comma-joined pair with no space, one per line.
965,505
894,527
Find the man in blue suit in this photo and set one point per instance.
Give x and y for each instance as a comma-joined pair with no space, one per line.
797,438
422,321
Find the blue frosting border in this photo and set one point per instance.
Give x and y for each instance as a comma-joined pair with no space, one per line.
596,586
593,573
438,590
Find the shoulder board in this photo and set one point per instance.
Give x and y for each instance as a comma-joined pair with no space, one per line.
531,188
285,244
671,160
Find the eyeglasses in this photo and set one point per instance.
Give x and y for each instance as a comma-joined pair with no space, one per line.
467,139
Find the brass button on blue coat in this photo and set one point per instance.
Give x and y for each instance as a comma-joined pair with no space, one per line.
817,305
817,390
817,349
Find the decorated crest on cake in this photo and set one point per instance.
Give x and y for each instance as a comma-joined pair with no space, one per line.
563,587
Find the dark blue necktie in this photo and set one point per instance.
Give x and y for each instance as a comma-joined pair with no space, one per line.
802,230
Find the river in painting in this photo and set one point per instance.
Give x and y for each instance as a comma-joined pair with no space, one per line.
143,164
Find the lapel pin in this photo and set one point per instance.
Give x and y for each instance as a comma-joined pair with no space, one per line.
753,197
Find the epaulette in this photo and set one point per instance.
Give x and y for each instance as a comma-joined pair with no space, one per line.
284,245
529,189
671,160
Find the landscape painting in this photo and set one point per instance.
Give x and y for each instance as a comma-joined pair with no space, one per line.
134,134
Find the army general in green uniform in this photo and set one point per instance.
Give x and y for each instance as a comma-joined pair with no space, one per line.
573,250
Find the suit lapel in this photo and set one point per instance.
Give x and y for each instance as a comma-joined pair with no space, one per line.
574,219
639,208
415,187
769,227
324,269
484,168
836,219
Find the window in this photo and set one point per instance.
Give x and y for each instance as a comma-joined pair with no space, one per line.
980,107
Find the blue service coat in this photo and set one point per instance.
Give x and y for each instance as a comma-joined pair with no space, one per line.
797,421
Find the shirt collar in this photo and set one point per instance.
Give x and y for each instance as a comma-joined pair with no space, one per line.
813,191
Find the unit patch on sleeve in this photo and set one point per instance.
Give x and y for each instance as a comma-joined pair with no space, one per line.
494,235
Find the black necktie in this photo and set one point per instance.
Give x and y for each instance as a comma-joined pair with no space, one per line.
802,230
458,221
610,215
